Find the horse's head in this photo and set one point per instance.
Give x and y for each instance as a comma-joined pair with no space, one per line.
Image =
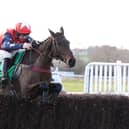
60,48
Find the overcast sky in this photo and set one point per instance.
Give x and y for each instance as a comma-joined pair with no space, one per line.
86,22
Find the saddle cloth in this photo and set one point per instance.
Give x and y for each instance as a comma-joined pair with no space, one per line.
12,71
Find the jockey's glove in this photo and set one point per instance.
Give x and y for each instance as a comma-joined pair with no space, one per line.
35,44
27,46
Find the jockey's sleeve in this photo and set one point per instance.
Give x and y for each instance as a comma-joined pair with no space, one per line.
8,45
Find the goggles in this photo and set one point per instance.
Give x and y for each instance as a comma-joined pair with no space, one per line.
21,36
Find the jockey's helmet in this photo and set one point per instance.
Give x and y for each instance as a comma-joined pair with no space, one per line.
23,28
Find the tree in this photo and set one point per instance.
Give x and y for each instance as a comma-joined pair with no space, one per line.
107,54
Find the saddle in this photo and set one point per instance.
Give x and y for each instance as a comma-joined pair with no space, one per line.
15,69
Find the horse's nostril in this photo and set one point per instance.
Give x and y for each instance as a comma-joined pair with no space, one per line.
72,62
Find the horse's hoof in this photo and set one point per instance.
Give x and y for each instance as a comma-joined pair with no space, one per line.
13,93
53,97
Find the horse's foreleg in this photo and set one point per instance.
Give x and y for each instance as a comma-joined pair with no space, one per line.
45,90
54,90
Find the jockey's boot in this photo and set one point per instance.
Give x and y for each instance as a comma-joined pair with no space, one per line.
4,79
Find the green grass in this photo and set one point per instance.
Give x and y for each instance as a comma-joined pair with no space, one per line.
76,85
73,85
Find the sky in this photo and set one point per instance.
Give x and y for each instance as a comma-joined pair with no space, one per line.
85,22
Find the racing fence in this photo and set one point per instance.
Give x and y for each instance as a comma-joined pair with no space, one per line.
105,77
83,111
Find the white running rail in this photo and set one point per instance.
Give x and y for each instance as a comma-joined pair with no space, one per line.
103,77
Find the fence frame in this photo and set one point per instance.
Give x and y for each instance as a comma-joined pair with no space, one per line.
120,77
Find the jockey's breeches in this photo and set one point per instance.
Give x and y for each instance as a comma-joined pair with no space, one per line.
5,54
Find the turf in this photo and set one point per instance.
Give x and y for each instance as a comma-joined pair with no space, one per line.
73,85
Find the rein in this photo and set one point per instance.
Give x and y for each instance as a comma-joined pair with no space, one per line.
37,51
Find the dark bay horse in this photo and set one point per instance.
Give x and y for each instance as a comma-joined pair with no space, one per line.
37,62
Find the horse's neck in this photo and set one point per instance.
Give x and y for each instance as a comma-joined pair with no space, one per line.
45,58
40,56
43,61
30,57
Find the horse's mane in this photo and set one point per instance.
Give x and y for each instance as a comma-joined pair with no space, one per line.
45,42
43,48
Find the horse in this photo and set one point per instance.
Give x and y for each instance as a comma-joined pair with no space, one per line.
36,64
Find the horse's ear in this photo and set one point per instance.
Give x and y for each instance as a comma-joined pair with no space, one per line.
62,30
51,32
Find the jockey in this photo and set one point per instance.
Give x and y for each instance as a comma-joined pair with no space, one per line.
11,41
